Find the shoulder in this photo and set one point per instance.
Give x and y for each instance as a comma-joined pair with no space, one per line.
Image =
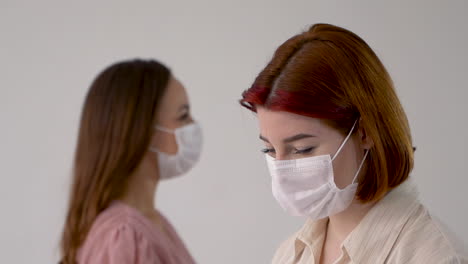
424,240
120,220
117,236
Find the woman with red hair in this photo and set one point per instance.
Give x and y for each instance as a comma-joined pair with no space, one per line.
339,151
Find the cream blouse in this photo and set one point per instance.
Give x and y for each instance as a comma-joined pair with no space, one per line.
398,229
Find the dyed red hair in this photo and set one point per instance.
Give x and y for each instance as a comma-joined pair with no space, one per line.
330,73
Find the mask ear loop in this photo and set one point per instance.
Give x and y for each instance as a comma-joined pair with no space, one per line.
360,166
163,129
346,139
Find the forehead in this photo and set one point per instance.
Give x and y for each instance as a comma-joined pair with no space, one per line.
172,101
174,97
279,124
175,91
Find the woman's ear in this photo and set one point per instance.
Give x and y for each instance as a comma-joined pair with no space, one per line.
365,141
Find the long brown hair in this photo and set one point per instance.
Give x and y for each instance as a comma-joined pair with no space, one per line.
115,131
329,72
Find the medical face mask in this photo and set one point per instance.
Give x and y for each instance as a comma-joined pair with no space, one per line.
189,143
306,187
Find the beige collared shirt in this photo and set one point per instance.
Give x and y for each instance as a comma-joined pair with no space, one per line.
398,229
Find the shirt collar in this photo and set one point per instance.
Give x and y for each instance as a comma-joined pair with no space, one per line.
386,218
312,234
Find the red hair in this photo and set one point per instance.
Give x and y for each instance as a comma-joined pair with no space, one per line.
330,73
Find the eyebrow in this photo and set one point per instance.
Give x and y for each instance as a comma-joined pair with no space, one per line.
290,139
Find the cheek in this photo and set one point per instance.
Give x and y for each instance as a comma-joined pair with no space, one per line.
164,142
345,166
150,162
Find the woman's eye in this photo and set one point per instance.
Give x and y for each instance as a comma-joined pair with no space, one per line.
184,117
268,150
304,151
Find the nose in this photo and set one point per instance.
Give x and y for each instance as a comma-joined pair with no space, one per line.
281,156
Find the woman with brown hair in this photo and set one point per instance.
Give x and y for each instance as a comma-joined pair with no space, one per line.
339,151
135,130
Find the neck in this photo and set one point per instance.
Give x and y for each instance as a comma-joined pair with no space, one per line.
141,192
343,223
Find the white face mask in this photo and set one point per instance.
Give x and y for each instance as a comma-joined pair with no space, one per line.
189,143
306,187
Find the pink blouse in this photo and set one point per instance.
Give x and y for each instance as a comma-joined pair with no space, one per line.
121,234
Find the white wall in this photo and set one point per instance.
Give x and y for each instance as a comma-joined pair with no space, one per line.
50,52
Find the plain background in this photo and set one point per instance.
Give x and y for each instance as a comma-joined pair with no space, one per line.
223,209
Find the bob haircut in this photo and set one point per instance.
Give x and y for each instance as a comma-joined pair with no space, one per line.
330,73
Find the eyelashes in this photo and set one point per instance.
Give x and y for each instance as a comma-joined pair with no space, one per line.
295,151
267,150
184,117
304,151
